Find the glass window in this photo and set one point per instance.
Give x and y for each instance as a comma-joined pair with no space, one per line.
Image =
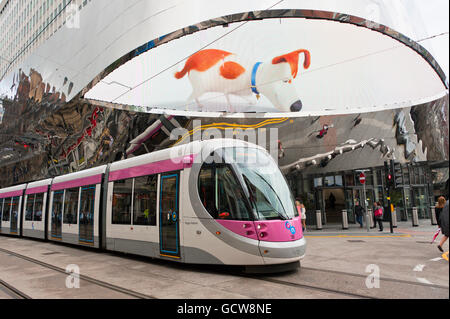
338,180
14,212
29,207
230,199
268,189
206,189
317,181
38,206
349,180
57,206
87,210
329,181
144,202
121,207
6,209
71,206
221,193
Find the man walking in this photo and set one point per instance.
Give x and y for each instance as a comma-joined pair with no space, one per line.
359,212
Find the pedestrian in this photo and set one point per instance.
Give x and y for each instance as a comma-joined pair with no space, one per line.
443,221
378,212
440,205
303,209
332,200
281,149
323,131
374,219
359,212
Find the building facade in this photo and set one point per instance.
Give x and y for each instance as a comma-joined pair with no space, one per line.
333,192
26,24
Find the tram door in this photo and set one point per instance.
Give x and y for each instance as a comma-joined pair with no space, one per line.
57,214
169,239
14,215
2,200
87,215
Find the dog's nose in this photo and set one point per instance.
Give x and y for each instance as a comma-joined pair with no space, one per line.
297,106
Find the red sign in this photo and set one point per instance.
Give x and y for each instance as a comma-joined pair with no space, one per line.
362,178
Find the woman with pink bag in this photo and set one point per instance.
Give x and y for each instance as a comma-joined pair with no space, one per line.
378,212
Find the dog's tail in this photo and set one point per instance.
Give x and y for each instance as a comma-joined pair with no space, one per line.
182,73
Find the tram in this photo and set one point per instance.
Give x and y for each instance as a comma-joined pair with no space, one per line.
220,201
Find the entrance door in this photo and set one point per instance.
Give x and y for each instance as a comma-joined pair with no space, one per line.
57,214
86,217
169,216
334,204
14,215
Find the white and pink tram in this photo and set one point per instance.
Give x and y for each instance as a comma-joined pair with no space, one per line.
220,201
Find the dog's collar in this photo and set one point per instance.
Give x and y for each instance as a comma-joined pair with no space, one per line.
255,69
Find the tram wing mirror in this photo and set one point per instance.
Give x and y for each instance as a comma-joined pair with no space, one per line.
224,215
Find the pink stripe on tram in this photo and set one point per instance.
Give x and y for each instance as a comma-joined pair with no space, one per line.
153,168
12,194
91,180
279,230
36,190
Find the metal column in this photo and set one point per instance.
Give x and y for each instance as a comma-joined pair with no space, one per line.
344,219
415,217
433,216
318,220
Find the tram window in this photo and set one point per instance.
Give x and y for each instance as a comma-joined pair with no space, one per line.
87,207
71,206
6,209
57,206
121,206
15,208
206,190
230,199
38,205
29,207
222,195
144,203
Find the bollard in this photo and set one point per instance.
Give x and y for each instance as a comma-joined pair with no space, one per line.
370,216
394,218
433,216
415,217
318,220
344,219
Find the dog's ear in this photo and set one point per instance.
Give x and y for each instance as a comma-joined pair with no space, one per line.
292,59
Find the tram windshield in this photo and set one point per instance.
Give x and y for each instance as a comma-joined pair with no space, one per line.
248,180
268,191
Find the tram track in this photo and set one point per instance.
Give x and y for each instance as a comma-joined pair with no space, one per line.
91,280
12,291
344,277
382,279
311,287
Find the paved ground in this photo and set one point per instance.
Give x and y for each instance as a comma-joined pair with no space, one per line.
337,265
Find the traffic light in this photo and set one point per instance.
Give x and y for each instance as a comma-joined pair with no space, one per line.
388,175
396,174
